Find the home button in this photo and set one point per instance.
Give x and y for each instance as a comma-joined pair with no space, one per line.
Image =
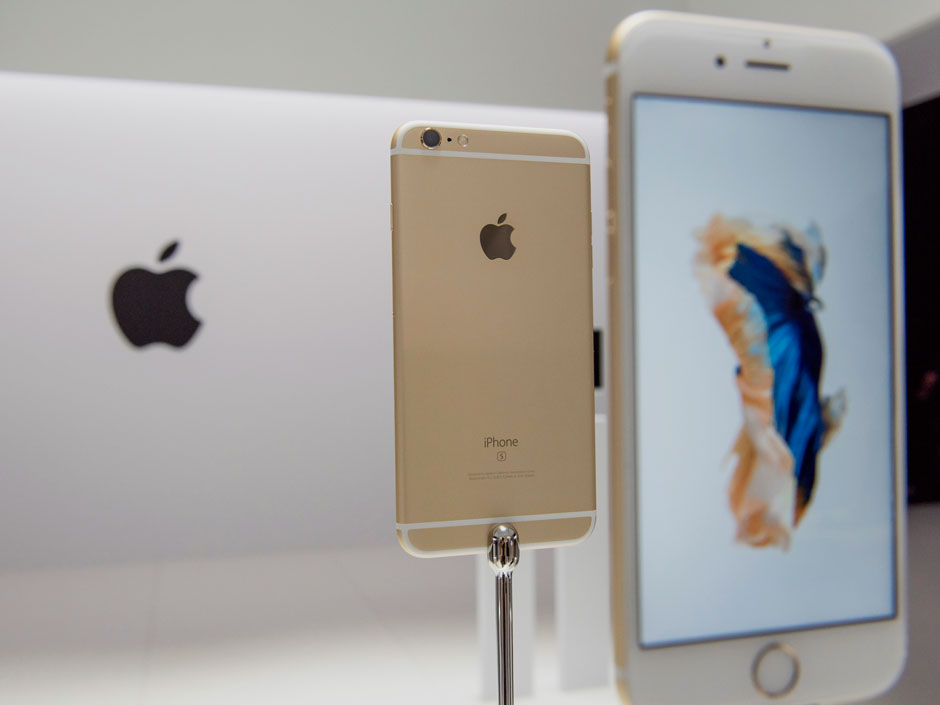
776,670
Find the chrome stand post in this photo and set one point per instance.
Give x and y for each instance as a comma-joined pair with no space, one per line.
503,558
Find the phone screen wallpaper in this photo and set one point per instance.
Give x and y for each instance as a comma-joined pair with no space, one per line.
760,284
763,351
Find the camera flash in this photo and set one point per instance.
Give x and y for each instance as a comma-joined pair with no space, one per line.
463,140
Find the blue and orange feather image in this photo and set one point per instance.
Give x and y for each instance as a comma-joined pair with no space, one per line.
761,285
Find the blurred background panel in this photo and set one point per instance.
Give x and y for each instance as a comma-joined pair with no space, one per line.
514,52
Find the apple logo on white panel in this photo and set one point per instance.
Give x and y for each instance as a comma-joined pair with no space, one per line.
150,307
495,239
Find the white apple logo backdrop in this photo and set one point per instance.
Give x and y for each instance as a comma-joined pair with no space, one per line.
272,428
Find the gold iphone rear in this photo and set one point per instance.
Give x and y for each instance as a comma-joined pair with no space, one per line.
494,395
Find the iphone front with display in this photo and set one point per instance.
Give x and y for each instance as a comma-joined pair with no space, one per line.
756,328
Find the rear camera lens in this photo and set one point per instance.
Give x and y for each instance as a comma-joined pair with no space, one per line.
719,61
430,138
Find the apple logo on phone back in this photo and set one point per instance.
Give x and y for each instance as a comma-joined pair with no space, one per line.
495,239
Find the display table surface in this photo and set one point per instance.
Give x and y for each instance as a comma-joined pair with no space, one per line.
357,626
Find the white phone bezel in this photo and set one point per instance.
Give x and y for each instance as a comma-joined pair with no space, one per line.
674,54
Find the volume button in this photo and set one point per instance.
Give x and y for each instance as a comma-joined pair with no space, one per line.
613,251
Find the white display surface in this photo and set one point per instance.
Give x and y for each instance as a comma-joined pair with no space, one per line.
284,629
272,429
582,590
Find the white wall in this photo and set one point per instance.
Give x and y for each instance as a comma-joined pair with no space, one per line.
517,52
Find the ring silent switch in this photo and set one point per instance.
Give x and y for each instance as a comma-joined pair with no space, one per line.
776,670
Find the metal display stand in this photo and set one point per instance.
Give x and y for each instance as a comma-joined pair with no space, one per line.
503,557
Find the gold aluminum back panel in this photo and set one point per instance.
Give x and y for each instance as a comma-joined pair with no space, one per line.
492,348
